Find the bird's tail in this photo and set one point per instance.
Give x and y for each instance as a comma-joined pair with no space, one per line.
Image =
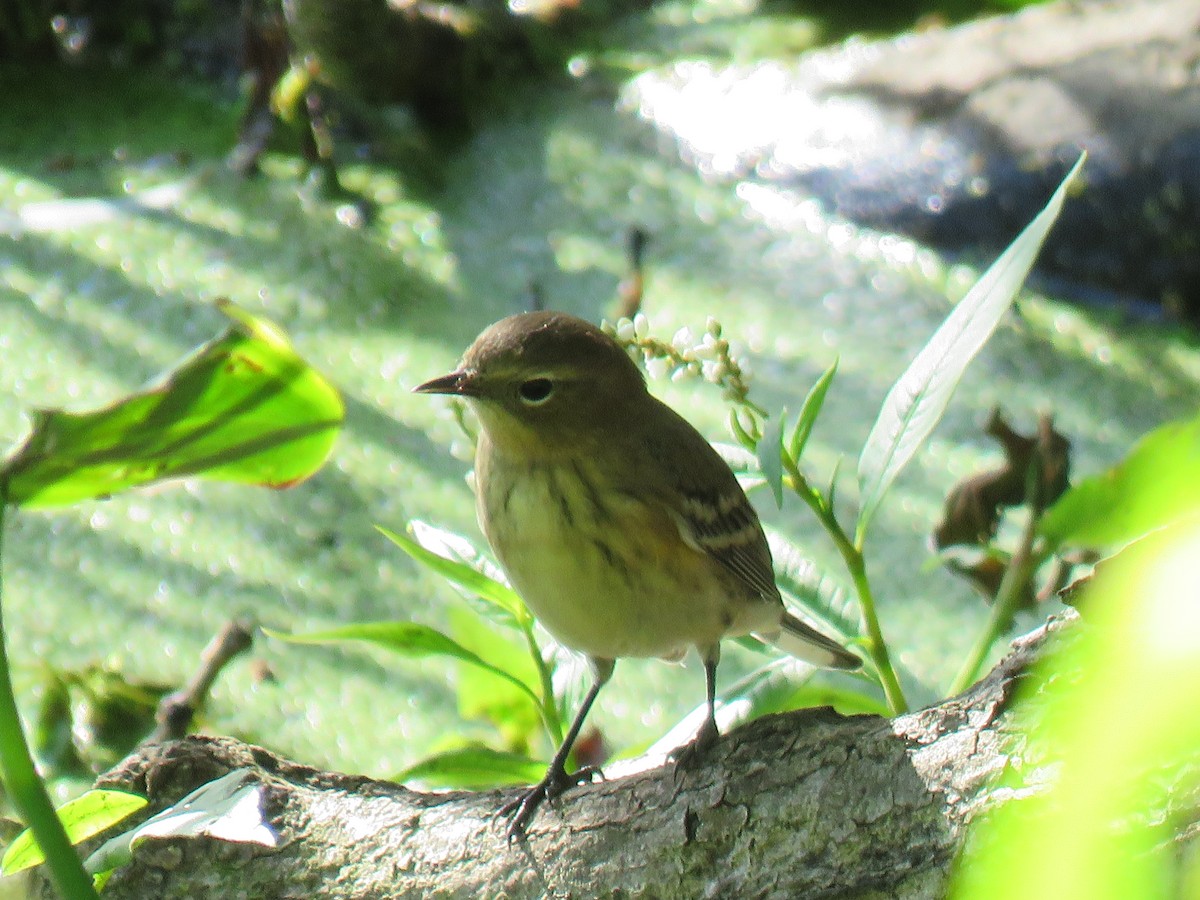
805,642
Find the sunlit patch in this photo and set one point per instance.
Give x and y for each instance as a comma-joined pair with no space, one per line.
1171,617
779,120
49,216
788,210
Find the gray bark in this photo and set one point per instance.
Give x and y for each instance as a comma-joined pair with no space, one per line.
806,804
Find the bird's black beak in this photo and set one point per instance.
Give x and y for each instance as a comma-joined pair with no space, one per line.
462,383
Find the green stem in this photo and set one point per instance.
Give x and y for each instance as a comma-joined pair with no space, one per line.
549,709
26,788
856,565
1020,570
1008,597
877,646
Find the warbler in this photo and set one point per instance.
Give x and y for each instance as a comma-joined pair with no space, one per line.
623,530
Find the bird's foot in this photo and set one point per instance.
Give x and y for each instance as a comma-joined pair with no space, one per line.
556,782
687,756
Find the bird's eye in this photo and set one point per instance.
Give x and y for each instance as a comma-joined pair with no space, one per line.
536,391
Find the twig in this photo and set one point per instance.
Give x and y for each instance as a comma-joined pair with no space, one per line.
176,711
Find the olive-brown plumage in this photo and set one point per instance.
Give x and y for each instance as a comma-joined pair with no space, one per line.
620,526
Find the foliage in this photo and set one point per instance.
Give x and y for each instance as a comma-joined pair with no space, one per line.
82,818
1158,482
1155,486
244,407
88,719
516,688
228,808
1111,710
1136,659
920,396
910,412
520,661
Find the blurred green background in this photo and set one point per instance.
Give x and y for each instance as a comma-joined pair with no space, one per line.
120,226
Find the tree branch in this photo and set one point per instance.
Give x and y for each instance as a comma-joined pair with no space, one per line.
807,804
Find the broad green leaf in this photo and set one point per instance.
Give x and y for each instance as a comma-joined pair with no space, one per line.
464,574
405,638
1112,714
82,818
809,412
918,399
244,407
481,695
1157,483
473,768
769,449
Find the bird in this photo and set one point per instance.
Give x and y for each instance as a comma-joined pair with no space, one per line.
622,529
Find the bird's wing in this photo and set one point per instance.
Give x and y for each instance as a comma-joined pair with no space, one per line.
714,517
725,526
709,506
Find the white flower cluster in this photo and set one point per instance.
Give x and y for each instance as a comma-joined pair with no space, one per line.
684,357
632,331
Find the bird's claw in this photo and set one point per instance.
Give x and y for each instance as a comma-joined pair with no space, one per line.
687,756
556,782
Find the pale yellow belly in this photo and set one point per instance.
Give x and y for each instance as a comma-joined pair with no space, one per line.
612,579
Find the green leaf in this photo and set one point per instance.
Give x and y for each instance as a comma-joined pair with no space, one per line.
481,695
918,399
831,494
740,434
826,602
83,817
1103,826
466,575
846,701
244,407
1157,483
410,639
809,412
473,768
782,686
770,450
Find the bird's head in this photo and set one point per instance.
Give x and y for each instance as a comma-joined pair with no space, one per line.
546,383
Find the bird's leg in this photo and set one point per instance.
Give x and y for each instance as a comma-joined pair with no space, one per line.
556,780
708,732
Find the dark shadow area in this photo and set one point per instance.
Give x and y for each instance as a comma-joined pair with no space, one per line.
962,172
